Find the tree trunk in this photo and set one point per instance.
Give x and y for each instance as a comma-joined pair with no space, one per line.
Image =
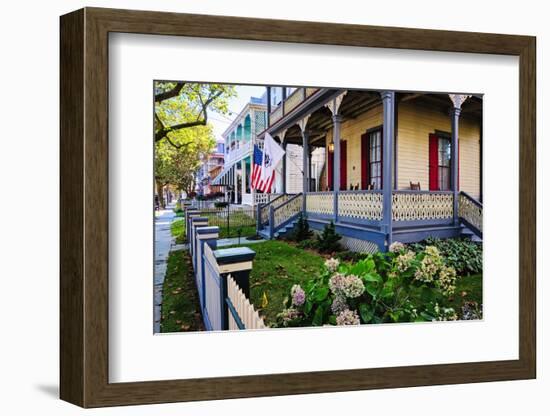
160,195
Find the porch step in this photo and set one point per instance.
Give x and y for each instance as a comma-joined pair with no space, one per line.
465,232
264,232
283,230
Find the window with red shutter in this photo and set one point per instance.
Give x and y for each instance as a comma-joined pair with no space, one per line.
433,162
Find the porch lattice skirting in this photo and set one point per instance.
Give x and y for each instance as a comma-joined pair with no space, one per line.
359,246
355,244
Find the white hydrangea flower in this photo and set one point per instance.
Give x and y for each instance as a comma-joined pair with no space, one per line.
332,264
396,247
347,317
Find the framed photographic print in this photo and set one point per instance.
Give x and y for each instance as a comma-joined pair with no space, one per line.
257,207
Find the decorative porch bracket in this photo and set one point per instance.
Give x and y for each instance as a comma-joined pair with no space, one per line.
388,102
457,100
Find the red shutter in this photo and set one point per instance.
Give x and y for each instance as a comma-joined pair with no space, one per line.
382,158
330,169
365,155
433,167
343,165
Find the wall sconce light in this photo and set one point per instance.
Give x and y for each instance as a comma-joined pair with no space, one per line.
331,147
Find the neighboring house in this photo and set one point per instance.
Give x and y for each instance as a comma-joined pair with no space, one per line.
239,139
400,166
210,168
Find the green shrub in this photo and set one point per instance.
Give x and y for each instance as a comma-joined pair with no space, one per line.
177,208
328,240
301,230
308,243
464,255
221,204
351,256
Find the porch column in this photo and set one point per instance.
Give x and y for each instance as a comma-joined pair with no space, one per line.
457,100
243,176
284,168
337,121
235,184
305,164
309,169
455,115
268,105
388,102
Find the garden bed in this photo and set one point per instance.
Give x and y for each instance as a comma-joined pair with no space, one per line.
280,265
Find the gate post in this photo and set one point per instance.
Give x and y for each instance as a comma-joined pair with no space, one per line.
236,262
205,235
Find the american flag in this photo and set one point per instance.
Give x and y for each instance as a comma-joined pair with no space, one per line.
256,182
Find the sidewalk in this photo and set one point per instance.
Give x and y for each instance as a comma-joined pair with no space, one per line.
163,242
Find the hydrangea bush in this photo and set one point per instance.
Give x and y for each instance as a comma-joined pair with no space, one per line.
398,286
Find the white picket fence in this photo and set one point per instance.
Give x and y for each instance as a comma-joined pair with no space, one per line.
223,303
242,314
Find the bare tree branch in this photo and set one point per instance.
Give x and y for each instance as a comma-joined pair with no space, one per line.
174,92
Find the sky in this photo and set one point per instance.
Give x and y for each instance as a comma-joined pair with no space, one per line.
220,122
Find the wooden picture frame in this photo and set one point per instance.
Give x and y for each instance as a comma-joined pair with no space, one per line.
84,207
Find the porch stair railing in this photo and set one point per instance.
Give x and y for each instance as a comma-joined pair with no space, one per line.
263,209
284,213
470,212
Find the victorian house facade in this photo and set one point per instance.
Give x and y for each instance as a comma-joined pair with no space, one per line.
398,166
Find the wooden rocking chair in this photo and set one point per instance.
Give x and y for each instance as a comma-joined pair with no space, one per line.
415,186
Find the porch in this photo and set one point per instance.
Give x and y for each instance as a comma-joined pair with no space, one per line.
359,216
370,174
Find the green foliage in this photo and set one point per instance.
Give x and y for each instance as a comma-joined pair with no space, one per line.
308,243
189,108
328,240
464,255
177,166
301,230
350,256
221,204
182,132
398,286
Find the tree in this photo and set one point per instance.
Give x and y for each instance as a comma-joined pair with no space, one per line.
180,106
177,165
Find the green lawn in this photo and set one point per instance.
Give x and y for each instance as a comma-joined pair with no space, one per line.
278,266
237,220
180,302
178,230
